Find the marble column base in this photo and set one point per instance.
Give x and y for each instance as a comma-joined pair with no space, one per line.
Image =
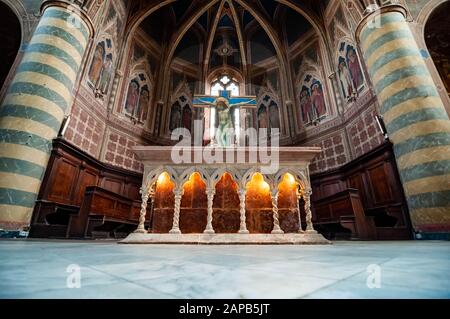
227,239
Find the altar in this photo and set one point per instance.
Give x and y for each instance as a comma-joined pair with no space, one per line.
226,195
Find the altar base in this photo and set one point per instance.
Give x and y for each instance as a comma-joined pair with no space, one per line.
227,239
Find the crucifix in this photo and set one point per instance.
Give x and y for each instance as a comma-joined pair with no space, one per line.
224,111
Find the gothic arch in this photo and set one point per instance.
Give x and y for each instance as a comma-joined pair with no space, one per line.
299,176
152,177
186,175
219,173
434,32
11,11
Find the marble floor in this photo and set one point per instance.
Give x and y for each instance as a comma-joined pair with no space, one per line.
55,269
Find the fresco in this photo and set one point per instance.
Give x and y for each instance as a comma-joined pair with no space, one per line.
175,116
101,69
313,107
268,115
132,97
350,73
137,101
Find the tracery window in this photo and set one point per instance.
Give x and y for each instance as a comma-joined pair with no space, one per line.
225,83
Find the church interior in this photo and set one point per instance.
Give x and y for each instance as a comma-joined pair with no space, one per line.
353,93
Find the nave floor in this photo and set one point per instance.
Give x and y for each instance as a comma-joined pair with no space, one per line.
43,269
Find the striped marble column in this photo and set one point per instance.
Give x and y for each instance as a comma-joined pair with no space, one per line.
414,114
35,105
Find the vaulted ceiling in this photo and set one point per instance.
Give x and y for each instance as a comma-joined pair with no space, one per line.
220,28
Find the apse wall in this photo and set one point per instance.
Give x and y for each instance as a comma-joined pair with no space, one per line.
345,127
106,120
115,102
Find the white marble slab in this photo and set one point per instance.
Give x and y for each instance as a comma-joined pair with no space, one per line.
227,239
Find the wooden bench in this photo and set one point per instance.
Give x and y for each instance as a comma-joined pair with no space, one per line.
104,214
342,215
51,219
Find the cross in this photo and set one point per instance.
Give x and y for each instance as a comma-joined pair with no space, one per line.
206,101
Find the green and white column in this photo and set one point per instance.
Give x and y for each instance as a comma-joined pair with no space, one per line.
414,114
34,107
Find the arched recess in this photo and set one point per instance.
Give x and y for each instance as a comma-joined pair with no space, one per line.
193,212
268,113
258,204
10,39
226,205
437,39
181,112
164,202
138,94
291,183
350,72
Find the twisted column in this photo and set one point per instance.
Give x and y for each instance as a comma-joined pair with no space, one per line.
299,197
210,192
307,198
145,194
276,222
176,214
243,228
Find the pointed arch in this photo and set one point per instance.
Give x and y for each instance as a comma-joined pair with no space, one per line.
152,177
218,174
186,175
299,176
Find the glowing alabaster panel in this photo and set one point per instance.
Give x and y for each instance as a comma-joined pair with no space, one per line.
226,217
287,204
193,206
258,206
163,204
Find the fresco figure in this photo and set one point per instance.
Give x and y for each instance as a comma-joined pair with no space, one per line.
132,97
187,118
106,74
318,100
144,104
348,89
306,105
263,118
274,116
97,63
175,117
354,67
